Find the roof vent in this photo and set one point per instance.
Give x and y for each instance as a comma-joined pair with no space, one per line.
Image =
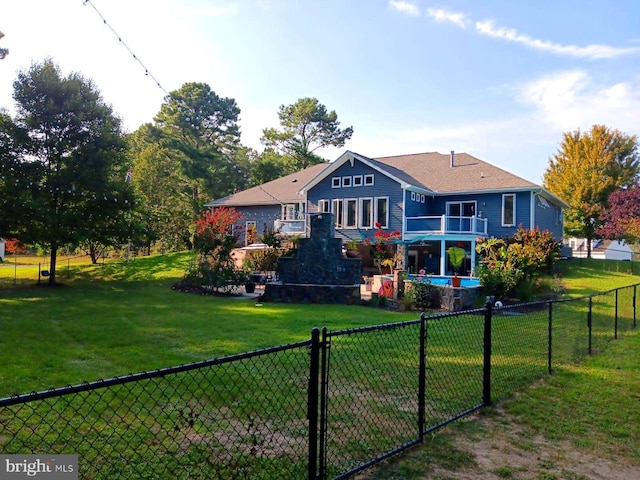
452,155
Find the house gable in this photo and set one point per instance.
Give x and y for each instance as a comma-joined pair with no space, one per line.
359,194
351,158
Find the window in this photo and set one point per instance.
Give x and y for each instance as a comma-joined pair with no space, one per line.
368,180
508,209
351,213
346,181
461,209
357,180
288,212
413,196
382,211
292,211
422,198
338,212
324,206
366,212
336,182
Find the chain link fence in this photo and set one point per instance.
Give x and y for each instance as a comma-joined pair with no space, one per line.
237,418
324,408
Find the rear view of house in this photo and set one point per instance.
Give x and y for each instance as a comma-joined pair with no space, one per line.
434,200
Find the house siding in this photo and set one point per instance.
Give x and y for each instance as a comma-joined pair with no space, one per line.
416,207
548,216
489,206
263,215
383,186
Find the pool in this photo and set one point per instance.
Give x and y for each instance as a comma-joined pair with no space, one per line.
442,281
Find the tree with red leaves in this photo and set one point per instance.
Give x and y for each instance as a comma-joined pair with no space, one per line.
213,224
213,239
621,220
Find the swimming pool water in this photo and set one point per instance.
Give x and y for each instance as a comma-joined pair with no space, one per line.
466,282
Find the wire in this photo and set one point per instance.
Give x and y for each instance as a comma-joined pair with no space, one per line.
135,57
148,73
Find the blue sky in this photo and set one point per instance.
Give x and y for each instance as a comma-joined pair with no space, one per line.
498,79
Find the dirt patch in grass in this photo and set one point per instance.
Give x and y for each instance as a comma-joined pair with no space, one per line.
503,449
494,446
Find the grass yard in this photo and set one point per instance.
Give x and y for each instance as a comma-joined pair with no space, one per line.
582,423
118,319
115,319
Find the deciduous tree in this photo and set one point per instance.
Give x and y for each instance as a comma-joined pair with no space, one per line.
166,204
69,179
621,219
586,170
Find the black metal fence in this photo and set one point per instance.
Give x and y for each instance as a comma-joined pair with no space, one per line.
325,408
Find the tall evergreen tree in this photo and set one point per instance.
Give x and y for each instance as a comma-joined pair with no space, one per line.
68,184
586,170
200,130
306,127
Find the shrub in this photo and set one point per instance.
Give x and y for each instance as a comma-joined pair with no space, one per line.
513,265
498,278
213,240
421,293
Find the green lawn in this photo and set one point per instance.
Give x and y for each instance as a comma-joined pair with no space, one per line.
118,319
582,415
115,319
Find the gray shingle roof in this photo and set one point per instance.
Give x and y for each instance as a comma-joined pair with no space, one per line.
275,192
434,172
431,171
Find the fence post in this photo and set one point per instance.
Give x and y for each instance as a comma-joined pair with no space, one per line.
615,322
312,402
324,392
550,351
634,306
486,373
589,322
422,380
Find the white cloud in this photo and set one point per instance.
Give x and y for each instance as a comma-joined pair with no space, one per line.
593,52
571,99
440,15
405,7
489,28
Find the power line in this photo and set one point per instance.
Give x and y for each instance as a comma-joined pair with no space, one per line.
135,57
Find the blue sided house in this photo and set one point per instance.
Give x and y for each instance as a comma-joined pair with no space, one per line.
434,200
